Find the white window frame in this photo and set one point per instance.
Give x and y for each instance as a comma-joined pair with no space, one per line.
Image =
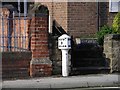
25,6
114,5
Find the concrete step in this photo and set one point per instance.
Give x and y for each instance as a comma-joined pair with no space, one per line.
82,62
90,54
89,70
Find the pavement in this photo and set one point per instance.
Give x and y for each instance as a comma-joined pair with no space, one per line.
68,83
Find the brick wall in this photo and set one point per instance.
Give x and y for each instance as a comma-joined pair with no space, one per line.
40,64
76,18
50,8
39,37
73,17
37,29
82,18
15,64
79,18
58,12
55,55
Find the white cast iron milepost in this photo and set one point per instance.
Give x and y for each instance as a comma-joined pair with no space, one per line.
64,43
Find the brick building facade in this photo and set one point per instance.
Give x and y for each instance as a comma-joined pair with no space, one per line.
75,18
80,18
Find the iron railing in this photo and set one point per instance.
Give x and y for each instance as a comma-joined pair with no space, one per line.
14,34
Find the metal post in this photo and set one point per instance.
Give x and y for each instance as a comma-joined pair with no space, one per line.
19,33
49,24
2,32
8,35
3,49
64,43
14,30
65,71
25,14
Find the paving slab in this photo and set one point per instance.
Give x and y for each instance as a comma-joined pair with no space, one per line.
99,80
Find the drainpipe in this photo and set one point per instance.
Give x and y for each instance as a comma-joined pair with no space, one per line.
17,45
49,24
25,14
98,15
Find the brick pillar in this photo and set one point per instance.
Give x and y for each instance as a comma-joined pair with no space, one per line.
40,64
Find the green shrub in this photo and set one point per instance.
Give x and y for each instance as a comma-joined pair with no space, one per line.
104,30
116,23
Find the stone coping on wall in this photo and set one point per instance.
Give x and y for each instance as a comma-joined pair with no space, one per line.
41,61
86,40
113,36
116,36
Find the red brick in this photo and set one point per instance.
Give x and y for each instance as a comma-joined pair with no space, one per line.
41,70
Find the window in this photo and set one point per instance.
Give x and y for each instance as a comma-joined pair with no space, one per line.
114,5
22,7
